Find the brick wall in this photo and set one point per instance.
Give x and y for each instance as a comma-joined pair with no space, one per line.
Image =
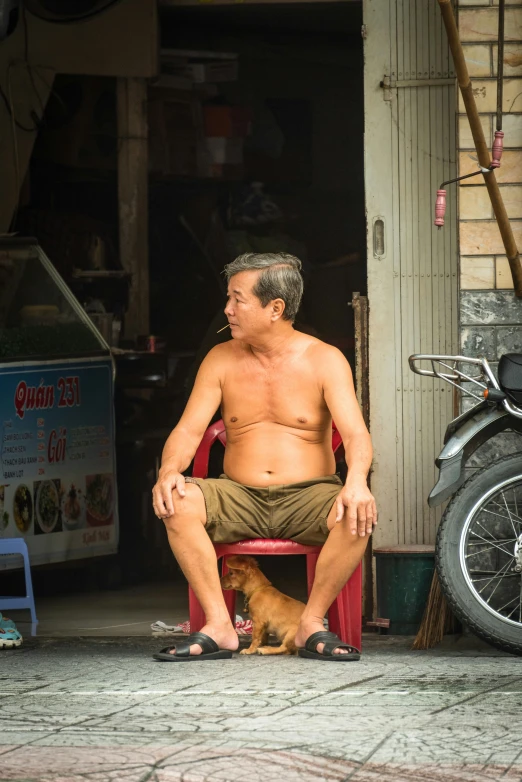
490,314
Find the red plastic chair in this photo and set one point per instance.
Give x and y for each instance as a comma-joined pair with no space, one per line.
345,614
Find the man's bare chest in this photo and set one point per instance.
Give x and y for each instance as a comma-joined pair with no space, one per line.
285,394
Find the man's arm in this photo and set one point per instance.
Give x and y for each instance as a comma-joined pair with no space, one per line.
184,439
355,501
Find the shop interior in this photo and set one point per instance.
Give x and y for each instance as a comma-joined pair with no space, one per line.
256,130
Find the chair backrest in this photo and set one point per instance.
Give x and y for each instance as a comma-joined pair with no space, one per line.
13,546
217,431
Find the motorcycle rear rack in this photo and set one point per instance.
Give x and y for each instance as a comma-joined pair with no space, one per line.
455,376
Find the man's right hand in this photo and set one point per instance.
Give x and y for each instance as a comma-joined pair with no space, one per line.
168,481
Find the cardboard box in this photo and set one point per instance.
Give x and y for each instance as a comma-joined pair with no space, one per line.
200,67
214,72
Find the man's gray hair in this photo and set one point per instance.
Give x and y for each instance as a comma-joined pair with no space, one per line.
280,278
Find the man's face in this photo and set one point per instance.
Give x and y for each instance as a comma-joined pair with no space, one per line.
245,314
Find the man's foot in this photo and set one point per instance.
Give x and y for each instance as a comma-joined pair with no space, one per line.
306,629
223,634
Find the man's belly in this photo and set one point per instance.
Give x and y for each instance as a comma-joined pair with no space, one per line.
275,456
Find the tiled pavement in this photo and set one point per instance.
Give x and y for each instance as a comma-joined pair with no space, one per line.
100,709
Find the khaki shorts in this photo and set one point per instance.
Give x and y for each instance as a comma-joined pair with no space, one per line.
296,511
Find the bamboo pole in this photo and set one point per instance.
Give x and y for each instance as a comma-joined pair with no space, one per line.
480,144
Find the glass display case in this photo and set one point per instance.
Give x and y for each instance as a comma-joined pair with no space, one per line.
57,463
39,316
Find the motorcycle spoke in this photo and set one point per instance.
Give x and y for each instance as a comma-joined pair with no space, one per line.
518,520
509,513
496,585
489,551
488,546
504,551
474,573
498,515
507,604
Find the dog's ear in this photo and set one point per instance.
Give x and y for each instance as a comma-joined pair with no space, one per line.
240,562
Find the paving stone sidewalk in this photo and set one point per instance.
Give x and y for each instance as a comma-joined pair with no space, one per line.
99,709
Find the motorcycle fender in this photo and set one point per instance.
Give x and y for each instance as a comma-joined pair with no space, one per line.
463,442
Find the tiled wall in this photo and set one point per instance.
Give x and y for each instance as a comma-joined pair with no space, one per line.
490,314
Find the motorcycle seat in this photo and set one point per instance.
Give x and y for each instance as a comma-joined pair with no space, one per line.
510,376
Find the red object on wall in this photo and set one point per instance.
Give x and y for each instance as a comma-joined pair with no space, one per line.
498,148
227,121
440,208
345,614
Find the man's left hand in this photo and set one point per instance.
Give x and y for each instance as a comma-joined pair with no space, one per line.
357,505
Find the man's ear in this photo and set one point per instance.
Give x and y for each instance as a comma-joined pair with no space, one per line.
278,307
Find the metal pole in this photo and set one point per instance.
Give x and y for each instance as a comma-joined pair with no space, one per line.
480,144
500,63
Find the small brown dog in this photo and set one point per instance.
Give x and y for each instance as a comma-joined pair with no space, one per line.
270,610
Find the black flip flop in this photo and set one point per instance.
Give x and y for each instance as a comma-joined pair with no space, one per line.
331,641
210,650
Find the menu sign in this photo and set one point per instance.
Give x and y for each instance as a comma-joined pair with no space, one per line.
57,468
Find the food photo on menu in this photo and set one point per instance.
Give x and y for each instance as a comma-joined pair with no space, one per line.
99,497
23,509
73,505
47,506
4,514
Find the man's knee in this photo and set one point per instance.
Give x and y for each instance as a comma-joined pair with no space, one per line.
187,509
344,528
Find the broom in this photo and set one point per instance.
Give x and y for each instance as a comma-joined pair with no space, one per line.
438,618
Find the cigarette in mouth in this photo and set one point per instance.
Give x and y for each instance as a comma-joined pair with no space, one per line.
224,327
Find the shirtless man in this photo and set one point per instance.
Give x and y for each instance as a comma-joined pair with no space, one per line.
278,390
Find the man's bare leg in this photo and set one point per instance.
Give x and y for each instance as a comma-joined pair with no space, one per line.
194,551
331,574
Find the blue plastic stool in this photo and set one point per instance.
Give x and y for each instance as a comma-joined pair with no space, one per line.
19,546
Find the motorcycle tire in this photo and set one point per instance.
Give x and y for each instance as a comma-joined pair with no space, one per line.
463,601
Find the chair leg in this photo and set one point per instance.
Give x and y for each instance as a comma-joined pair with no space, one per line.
29,592
311,562
196,613
345,614
229,595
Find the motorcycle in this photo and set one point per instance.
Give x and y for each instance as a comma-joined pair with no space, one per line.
478,554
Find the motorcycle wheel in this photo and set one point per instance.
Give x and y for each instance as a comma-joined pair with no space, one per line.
477,553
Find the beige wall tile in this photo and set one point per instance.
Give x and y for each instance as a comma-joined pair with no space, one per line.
481,24
483,237
508,2
512,197
477,273
503,278
512,127
473,2
474,203
465,139
512,59
485,92
509,172
512,96
478,59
